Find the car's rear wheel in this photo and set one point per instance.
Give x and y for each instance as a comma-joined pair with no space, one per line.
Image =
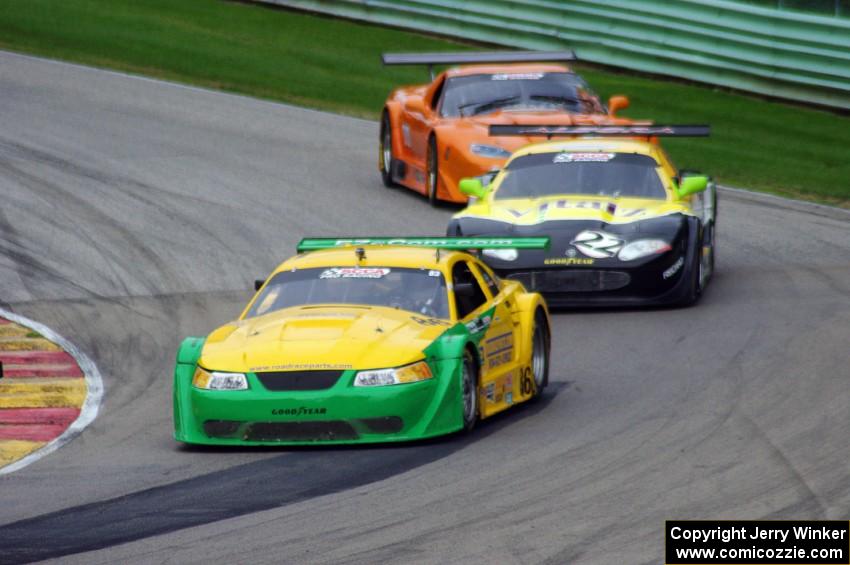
432,177
385,151
540,353
469,391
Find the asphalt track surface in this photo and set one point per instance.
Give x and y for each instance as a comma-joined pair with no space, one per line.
134,213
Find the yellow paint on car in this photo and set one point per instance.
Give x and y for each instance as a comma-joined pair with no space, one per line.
622,210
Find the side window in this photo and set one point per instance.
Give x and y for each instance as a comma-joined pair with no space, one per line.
468,293
438,93
489,281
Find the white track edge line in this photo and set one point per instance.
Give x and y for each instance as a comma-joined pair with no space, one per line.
90,407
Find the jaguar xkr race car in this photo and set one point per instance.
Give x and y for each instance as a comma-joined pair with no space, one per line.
626,228
366,340
433,135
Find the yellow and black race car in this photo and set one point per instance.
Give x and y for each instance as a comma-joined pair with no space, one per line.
626,227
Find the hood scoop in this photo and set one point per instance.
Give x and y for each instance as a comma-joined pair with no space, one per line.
315,329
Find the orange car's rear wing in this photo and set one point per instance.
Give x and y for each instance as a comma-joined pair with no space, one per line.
475,57
531,130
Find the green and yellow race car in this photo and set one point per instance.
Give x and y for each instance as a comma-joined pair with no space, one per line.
626,227
367,340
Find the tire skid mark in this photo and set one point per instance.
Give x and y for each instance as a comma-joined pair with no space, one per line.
79,208
783,461
27,266
131,190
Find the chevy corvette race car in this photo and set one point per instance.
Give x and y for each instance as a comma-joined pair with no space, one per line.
435,134
368,340
627,229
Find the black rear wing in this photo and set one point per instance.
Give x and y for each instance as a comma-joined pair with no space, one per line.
655,130
475,57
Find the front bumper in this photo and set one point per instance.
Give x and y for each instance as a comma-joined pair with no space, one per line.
618,286
341,414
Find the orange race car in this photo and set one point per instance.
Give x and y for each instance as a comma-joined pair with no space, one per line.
433,135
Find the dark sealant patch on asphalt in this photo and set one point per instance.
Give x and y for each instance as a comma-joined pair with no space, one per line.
302,474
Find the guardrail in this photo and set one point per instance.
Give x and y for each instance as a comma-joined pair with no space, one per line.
787,55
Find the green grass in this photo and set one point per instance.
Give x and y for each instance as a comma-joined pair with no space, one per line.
335,65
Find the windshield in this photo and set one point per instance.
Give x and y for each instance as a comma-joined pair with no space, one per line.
480,94
603,174
421,291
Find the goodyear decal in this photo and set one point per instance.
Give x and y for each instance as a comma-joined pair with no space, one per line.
569,261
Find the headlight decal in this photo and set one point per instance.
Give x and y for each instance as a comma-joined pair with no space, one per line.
413,373
642,248
492,151
216,380
509,254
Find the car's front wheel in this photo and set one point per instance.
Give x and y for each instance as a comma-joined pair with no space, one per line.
469,391
385,151
693,275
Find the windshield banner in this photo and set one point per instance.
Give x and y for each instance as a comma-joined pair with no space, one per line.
529,130
312,244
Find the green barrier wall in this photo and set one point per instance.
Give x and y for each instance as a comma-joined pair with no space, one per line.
788,55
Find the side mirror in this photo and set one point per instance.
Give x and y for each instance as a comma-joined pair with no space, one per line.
258,284
488,177
617,103
691,185
473,187
415,105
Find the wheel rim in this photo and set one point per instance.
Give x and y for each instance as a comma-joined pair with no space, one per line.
432,175
538,358
703,269
469,396
386,149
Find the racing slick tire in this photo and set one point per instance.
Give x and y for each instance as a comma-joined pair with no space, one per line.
540,347
713,256
693,289
432,173
469,391
385,151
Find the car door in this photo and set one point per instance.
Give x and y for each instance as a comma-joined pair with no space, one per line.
489,320
500,347
419,115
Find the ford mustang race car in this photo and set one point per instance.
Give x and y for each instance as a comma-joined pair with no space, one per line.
626,227
367,340
433,135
